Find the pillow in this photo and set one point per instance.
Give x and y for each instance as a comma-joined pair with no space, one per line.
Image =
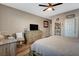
11,37
1,37
19,36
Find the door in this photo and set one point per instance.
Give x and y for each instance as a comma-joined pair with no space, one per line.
70,27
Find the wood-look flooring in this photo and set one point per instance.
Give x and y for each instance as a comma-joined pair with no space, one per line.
23,50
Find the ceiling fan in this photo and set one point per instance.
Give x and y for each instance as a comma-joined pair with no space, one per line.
50,6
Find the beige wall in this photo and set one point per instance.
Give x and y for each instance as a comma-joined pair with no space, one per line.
62,18
13,20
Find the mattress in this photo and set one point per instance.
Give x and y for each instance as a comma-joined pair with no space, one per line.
56,46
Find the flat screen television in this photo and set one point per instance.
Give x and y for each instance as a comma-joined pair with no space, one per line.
33,27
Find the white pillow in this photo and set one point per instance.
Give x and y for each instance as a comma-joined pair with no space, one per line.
1,37
19,36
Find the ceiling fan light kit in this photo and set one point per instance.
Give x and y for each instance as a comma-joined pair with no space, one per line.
49,9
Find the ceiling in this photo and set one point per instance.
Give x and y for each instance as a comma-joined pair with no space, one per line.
33,8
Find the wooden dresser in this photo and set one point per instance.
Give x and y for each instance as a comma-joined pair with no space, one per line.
32,36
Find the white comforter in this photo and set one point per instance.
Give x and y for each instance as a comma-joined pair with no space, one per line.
56,46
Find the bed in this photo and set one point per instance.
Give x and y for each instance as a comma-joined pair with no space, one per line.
56,46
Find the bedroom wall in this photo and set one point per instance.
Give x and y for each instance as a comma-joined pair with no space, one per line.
13,20
62,18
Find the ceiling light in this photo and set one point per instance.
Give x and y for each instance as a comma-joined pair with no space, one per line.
49,9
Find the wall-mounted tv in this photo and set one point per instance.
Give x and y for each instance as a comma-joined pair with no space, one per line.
33,27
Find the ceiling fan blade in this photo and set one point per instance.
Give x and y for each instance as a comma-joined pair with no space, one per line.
45,9
57,4
43,5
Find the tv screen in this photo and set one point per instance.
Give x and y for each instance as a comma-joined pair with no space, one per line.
33,27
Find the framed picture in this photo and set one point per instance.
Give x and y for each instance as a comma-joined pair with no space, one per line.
45,23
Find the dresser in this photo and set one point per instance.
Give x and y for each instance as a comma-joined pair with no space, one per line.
32,36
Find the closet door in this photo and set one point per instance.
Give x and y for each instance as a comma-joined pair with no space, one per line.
70,27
